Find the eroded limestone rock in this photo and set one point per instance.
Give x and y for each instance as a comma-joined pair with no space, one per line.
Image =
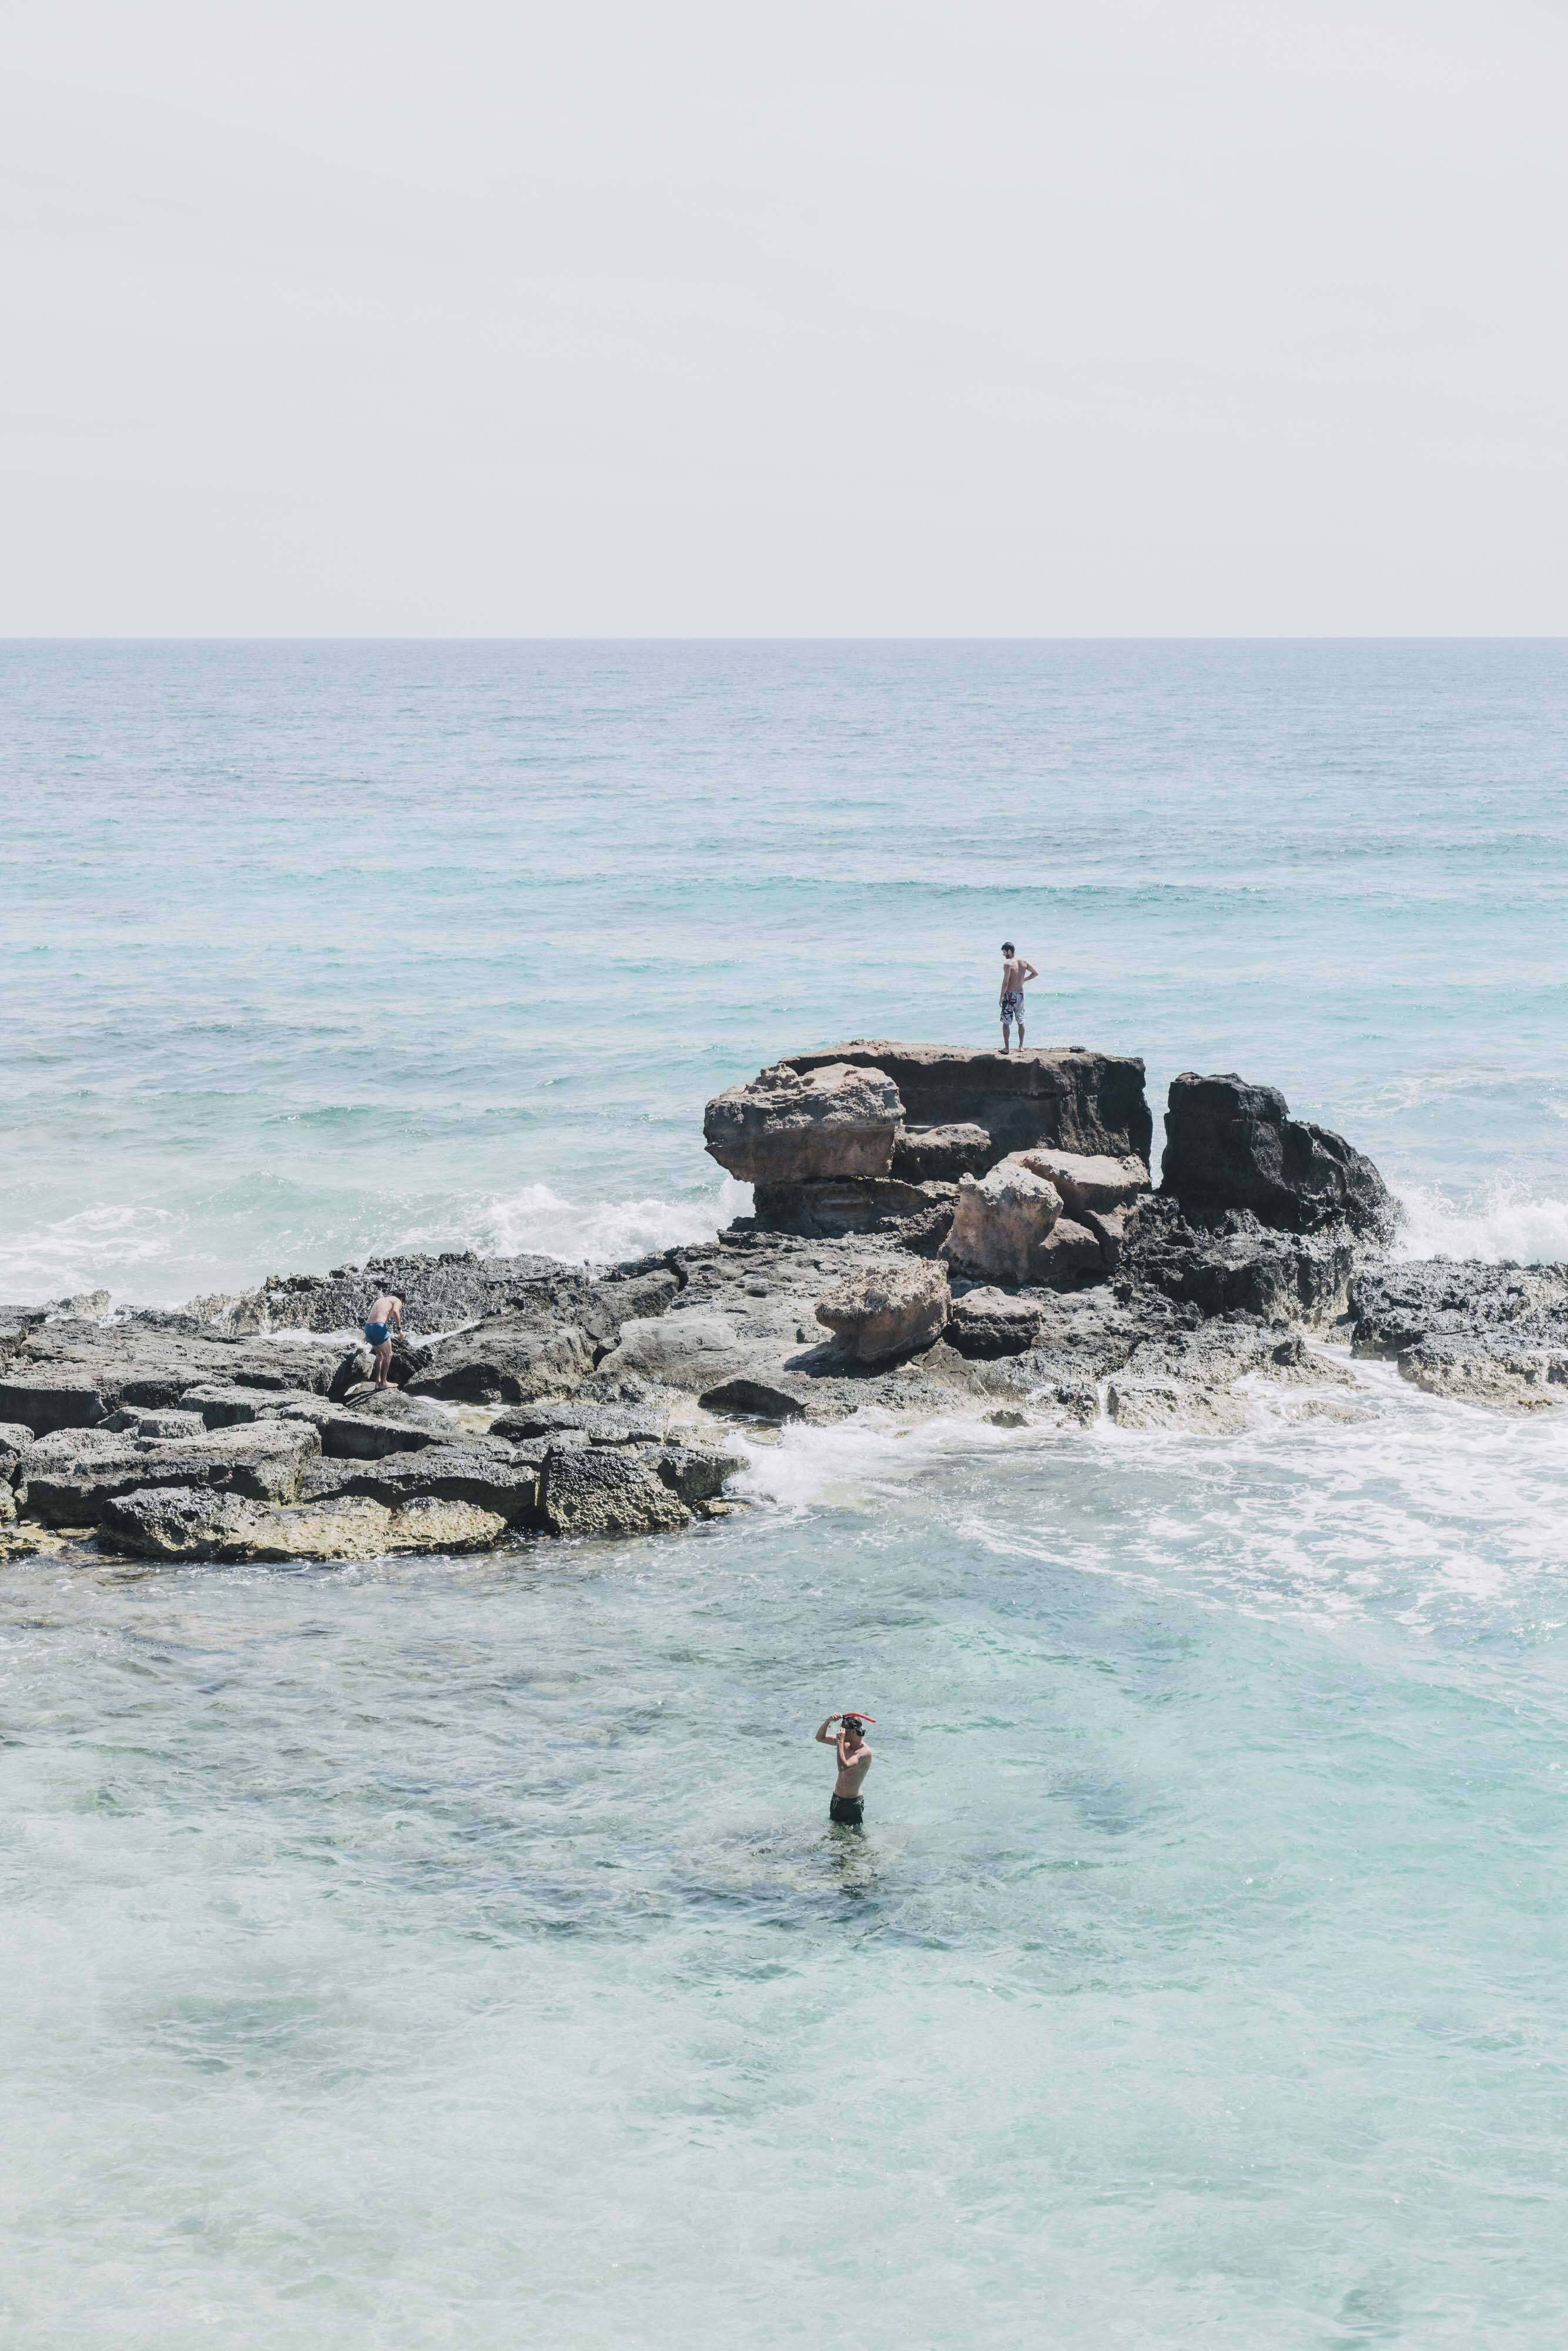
888,1310
1001,1223
788,1128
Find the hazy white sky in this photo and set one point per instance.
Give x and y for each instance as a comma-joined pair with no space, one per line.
358,316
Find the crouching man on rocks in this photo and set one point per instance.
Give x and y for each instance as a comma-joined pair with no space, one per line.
847,1805
385,1317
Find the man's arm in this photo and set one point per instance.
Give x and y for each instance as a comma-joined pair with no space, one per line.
1029,972
822,1734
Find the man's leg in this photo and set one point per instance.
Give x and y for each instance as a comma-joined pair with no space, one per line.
1021,1036
384,1364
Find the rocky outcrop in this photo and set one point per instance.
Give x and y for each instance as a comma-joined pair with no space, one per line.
1494,1334
787,1127
506,1363
1001,1224
1230,1145
1084,1102
888,1310
71,1475
1238,1266
831,1209
182,1523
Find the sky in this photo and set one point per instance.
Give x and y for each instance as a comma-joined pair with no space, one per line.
861,320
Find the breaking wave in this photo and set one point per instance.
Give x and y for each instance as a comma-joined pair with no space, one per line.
1501,1221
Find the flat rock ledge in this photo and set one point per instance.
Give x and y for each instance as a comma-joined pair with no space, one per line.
933,1231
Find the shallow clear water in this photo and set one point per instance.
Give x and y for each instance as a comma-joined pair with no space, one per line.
456,1951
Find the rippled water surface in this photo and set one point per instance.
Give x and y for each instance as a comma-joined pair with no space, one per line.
456,1952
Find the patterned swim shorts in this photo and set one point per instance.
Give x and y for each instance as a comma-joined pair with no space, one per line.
1012,1005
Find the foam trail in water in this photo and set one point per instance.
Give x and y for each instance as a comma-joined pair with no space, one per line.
538,1219
1501,1221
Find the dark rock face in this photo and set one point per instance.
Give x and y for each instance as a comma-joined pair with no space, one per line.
1238,1266
830,1210
70,1476
487,1476
989,1322
940,1154
1230,1145
1084,1102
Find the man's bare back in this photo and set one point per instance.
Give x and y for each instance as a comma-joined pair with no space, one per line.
855,1758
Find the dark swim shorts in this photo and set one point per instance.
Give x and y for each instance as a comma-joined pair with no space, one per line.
848,1812
376,1333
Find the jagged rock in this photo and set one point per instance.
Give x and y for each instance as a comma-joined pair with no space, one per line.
1001,1223
695,1472
506,1363
491,1478
603,1490
1108,1227
1392,1307
940,1154
226,1407
70,1477
1069,1256
1088,1179
789,1128
1083,1100
15,1440
987,1322
889,1310
1166,1404
1231,1145
1488,1368
1239,1267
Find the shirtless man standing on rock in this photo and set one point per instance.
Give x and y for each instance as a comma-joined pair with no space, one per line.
1015,971
385,1317
847,1805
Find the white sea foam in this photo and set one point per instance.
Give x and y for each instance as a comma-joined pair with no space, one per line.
84,1250
1503,1220
538,1219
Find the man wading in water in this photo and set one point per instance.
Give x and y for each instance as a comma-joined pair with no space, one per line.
1015,971
386,1316
847,1806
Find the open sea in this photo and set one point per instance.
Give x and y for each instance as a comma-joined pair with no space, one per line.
455,1953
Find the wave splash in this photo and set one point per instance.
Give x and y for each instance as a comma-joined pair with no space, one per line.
1501,1222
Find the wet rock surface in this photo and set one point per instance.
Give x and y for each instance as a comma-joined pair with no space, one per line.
1495,1335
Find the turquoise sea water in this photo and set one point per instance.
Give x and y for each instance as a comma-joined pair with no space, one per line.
456,1952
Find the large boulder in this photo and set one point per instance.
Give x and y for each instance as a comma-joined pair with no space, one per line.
989,1321
1232,1144
1001,1224
506,1363
54,1396
787,1127
1088,1180
598,1490
888,1310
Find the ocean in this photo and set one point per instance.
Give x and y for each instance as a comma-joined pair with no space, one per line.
456,1952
